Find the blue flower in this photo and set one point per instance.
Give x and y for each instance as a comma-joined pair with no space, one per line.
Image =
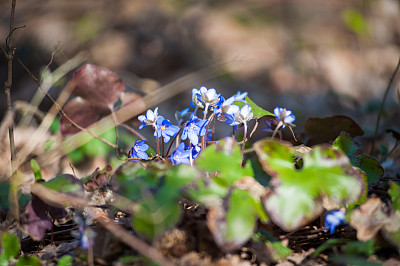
194,129
139,150
165,129
150,119
333,219
180,155
285,116
267,127
241,97
236,116
195,150
208,97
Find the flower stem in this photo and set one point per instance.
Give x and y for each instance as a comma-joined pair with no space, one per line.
244,141
280,124
158,142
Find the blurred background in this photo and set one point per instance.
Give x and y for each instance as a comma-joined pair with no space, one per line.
315,57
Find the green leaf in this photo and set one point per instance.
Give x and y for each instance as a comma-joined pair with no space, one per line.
225,158
155,215
345,143
360,248
355,21
394,193
277,250
132,180
36,170
258,112
330,243
10,246
28,260
232,221
65,260
65,184
241,217
295,198
369,165
96,148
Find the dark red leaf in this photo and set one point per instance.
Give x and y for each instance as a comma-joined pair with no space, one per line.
83,113
325,130
97,85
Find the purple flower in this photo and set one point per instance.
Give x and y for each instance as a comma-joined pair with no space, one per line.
194,129
150,119
285,116
180,155
333,219
139,150
165,129
267,128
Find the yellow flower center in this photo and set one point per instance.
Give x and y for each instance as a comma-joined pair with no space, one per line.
162,128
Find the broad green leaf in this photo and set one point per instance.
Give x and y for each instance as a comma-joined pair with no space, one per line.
295,198
133,180
28,261
65,184
345,143
179,176
209,192
225,158
233,221
360,248
258,112
394,193
65,260
36,170
155,215
369,165
241,217
10,246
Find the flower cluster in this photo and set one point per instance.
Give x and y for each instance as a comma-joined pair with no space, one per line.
196,132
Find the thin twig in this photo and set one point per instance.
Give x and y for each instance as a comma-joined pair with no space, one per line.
382,105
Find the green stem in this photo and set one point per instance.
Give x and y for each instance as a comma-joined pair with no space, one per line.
382,105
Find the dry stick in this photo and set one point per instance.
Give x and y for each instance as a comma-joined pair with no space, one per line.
49,195
9,55
381,107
